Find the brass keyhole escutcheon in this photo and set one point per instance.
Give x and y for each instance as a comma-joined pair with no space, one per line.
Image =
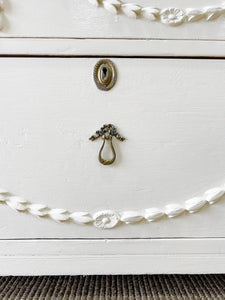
107,132
105,74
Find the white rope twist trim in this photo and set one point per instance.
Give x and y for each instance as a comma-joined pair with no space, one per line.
170,16
107,219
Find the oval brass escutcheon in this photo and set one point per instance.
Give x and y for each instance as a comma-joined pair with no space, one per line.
105,74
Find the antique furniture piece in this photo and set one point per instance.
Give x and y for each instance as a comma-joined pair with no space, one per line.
145,81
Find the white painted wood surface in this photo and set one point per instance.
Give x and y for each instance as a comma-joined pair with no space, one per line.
170,110
111,47
135,256
78,18
46,157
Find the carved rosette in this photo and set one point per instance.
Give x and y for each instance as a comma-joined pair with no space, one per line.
106,219
171,16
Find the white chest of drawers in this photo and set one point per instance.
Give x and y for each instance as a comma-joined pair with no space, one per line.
159,207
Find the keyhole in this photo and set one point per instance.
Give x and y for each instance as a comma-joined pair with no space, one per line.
105,71
105,74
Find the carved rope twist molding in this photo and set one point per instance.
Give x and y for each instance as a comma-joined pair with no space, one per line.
107,219
170,16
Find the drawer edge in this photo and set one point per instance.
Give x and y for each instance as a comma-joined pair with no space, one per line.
124,256
111,47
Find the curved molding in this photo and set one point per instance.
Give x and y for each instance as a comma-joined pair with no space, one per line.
107,219
171,16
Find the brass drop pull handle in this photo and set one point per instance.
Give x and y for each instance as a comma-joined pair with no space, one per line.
106,161
107,132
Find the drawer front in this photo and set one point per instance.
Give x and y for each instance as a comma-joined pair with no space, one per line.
171,112
201,19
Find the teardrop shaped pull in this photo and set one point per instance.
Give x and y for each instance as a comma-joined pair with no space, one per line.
107,132
107,161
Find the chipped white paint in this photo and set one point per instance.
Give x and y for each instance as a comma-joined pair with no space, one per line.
108,219
172,16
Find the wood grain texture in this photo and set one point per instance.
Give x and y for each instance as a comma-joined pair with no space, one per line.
74,18
50,107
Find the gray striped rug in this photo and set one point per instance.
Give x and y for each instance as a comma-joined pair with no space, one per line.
131,287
